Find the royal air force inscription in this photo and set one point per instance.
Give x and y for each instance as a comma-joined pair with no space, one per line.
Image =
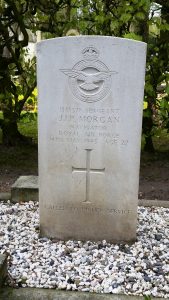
88,159
95,126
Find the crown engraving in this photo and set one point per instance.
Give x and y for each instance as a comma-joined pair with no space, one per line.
90,53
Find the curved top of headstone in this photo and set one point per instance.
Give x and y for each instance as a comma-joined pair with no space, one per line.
97,37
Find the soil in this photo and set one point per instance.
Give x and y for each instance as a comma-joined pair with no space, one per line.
15,162
154,171
154,176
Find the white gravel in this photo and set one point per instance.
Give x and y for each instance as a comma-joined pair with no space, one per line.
138,269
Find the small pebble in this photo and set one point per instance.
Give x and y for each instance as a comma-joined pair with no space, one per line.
138,269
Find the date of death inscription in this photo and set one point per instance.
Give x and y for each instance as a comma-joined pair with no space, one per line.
90,125
84,209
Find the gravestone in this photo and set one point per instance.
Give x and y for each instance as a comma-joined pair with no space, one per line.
90,116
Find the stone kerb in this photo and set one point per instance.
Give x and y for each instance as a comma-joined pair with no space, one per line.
25,189
31,182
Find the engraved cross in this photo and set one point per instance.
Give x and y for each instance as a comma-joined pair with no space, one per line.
88,170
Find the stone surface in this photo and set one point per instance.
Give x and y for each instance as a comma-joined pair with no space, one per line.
142,202
90,113
45,294
3,268
25,189
156,203
5,196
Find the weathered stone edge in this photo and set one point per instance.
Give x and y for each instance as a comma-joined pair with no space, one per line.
48,294
158,203
5,196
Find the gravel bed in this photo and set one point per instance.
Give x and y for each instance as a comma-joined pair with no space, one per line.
138,269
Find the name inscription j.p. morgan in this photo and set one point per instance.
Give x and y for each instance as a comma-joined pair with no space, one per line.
90,112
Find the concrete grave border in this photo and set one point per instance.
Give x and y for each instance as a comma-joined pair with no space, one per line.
26,189
48,294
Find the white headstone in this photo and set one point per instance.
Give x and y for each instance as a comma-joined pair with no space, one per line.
90,116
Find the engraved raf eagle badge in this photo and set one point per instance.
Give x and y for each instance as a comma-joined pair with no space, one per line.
89,79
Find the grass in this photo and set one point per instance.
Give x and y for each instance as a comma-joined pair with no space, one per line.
161,140
27,126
